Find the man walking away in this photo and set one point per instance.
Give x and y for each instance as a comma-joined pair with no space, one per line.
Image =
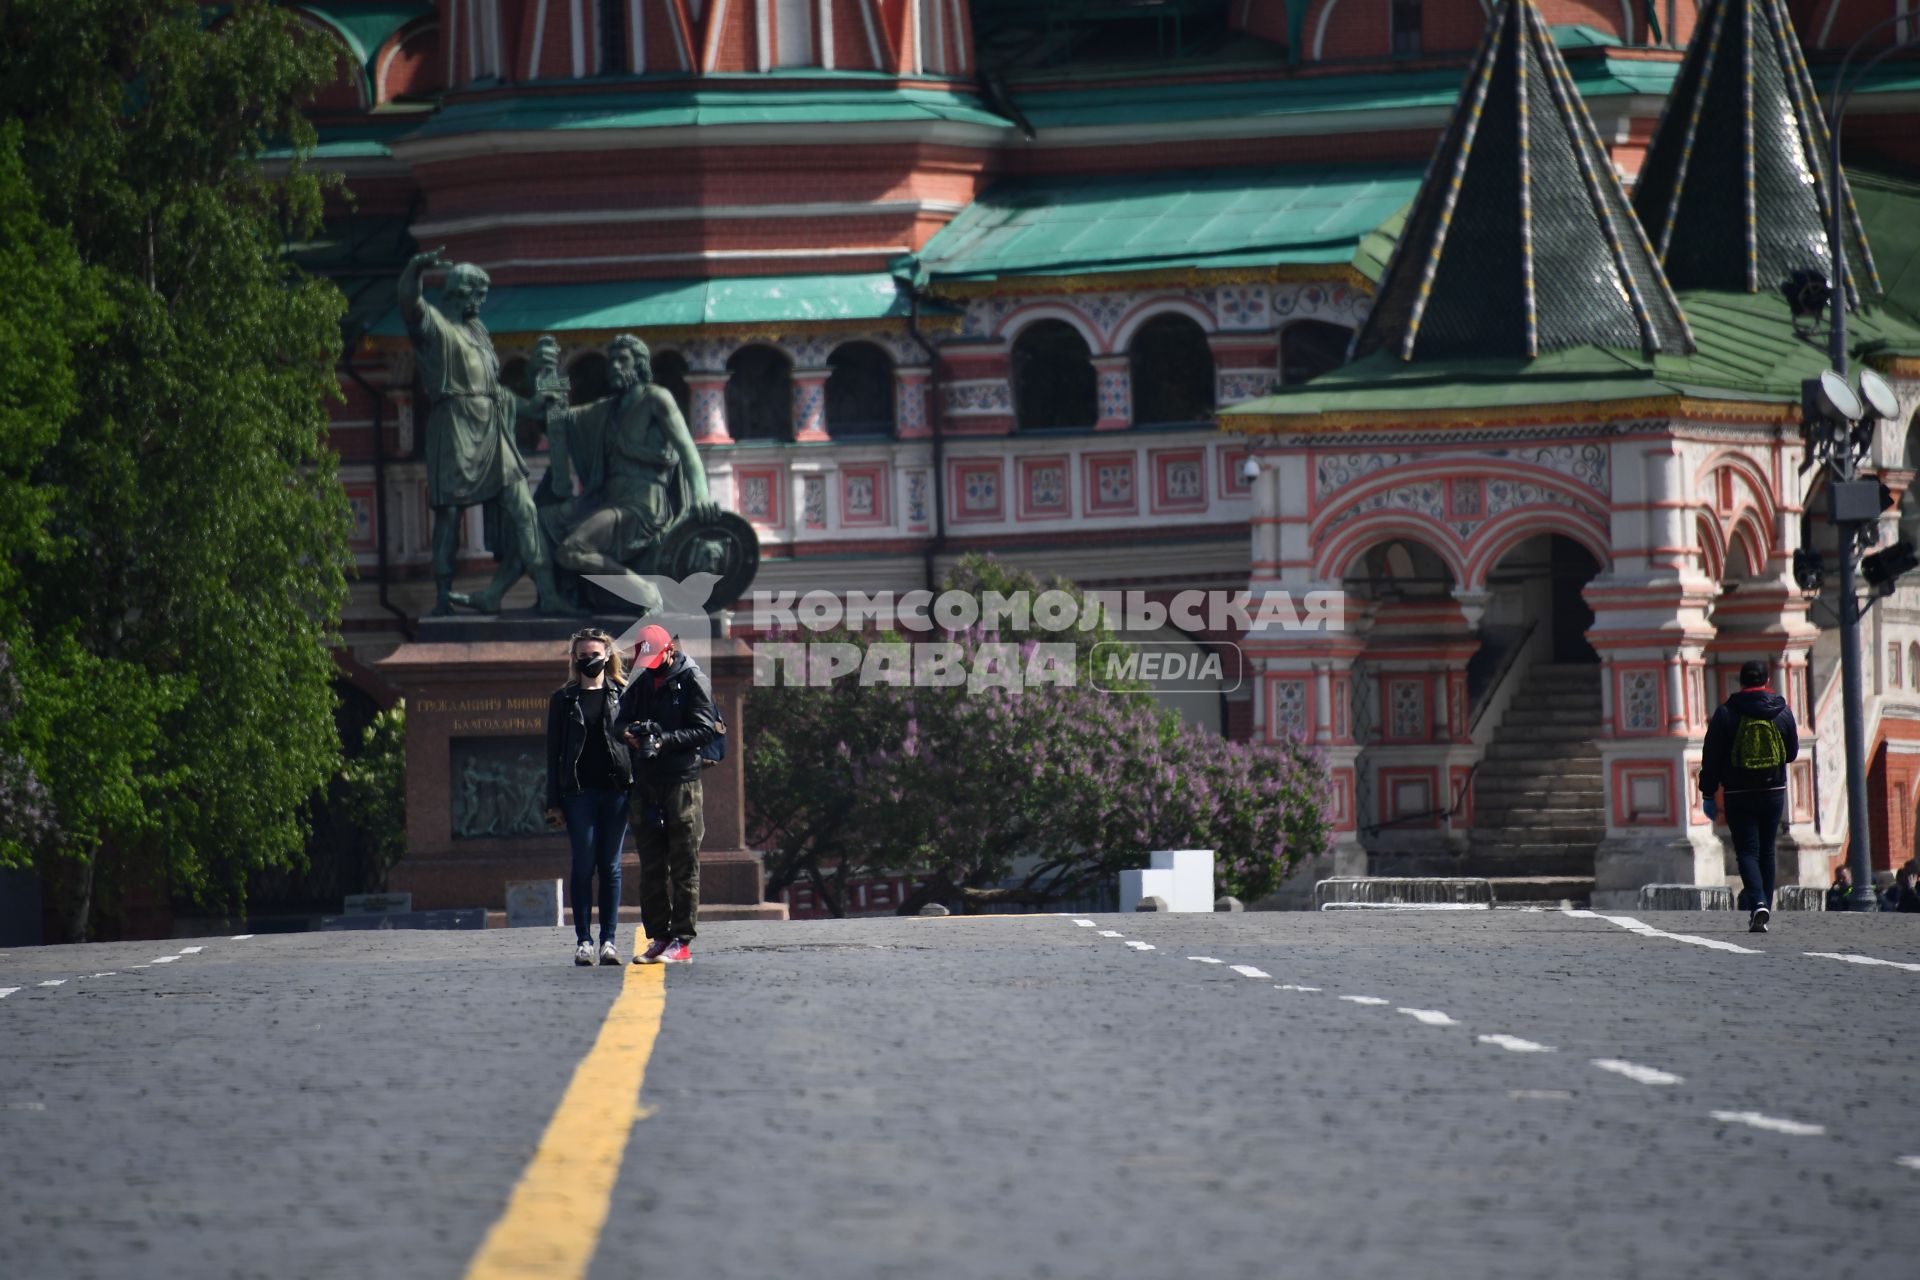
1751,740
667,714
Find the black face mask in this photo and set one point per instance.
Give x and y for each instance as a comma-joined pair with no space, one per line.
591,666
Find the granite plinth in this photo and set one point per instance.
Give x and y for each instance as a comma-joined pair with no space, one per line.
477,695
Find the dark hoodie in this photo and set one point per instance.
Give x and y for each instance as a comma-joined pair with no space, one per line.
681,703
1716,759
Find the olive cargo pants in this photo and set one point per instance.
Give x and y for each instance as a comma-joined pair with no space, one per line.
669,854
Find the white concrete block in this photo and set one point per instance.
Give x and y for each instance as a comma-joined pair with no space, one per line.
1135,885
1182,877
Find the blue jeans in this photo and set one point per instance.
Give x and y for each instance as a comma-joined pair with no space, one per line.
1754,819
597,828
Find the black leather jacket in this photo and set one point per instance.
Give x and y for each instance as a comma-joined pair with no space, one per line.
683,708
567,736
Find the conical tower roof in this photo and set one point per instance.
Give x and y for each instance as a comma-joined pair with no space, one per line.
1733,192
1521,240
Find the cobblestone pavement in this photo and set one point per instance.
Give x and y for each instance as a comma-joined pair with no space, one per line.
1352,1094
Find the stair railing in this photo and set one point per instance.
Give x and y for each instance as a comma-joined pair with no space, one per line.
1488,695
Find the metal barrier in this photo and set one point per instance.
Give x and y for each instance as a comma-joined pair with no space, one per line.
1403,893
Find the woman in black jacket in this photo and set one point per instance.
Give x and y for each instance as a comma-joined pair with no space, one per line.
589,773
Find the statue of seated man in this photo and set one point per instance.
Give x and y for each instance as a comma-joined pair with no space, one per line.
635,470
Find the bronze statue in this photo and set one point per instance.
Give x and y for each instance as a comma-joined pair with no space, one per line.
472,456
641,507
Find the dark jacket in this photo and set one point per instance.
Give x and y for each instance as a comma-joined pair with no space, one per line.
567,737
683,708
1716,760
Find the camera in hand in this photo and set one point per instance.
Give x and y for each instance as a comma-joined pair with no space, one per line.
647,735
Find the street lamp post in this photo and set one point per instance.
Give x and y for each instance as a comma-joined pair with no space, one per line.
1853,708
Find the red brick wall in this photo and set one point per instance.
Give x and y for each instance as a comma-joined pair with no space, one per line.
738,49
1850,19
416,67
851,51
555,39
1264,18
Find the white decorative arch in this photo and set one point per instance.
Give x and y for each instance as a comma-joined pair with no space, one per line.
1018,319
1338,555
1152,309
1505,532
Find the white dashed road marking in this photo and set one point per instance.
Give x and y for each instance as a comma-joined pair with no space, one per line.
7,991
1850,959
1633,1071
1109,933
1288,986
1516,1044
1205,959
1084,924
1248,971
1363,999
1908,1162
242,937
163,960
54,982
1432,1017
108,974
191,951
1141,946
1646,930
1773,1124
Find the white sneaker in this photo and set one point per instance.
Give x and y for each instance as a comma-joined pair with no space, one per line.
583,954
609,954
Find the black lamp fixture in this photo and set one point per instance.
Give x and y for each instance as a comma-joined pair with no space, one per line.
1807,293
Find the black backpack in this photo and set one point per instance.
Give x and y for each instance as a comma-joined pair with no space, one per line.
715,751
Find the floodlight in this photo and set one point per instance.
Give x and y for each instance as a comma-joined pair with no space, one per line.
1879,397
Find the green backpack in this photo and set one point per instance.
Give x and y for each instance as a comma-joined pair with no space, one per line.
1757,744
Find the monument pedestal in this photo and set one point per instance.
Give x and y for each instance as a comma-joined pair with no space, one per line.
477,691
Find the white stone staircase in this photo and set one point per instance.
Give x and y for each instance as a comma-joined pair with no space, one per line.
1539,798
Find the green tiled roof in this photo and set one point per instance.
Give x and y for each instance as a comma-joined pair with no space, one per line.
366,27
1142,104
1310,214
1521,241
1747,350
711,104
1890,208
1734,191
641,305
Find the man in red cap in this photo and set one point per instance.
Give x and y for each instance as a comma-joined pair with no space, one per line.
667,715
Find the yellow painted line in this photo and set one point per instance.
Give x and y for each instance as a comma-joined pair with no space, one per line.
553,1219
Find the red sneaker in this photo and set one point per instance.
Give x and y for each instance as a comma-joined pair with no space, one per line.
653,952
679,952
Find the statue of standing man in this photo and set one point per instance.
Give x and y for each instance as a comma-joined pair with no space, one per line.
472,456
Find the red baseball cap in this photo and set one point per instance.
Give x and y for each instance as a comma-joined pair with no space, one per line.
652,649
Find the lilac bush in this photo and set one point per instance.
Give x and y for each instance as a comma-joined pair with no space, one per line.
1030,796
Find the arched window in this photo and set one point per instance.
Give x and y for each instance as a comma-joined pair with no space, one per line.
1172,372
1407,22
610,21
759,394
587,379
670,372
1054,384
1308,348
793,33
859,391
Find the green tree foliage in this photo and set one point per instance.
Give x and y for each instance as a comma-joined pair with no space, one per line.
995,796
374,784
178,541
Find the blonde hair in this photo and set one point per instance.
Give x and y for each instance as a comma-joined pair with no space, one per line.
613,654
